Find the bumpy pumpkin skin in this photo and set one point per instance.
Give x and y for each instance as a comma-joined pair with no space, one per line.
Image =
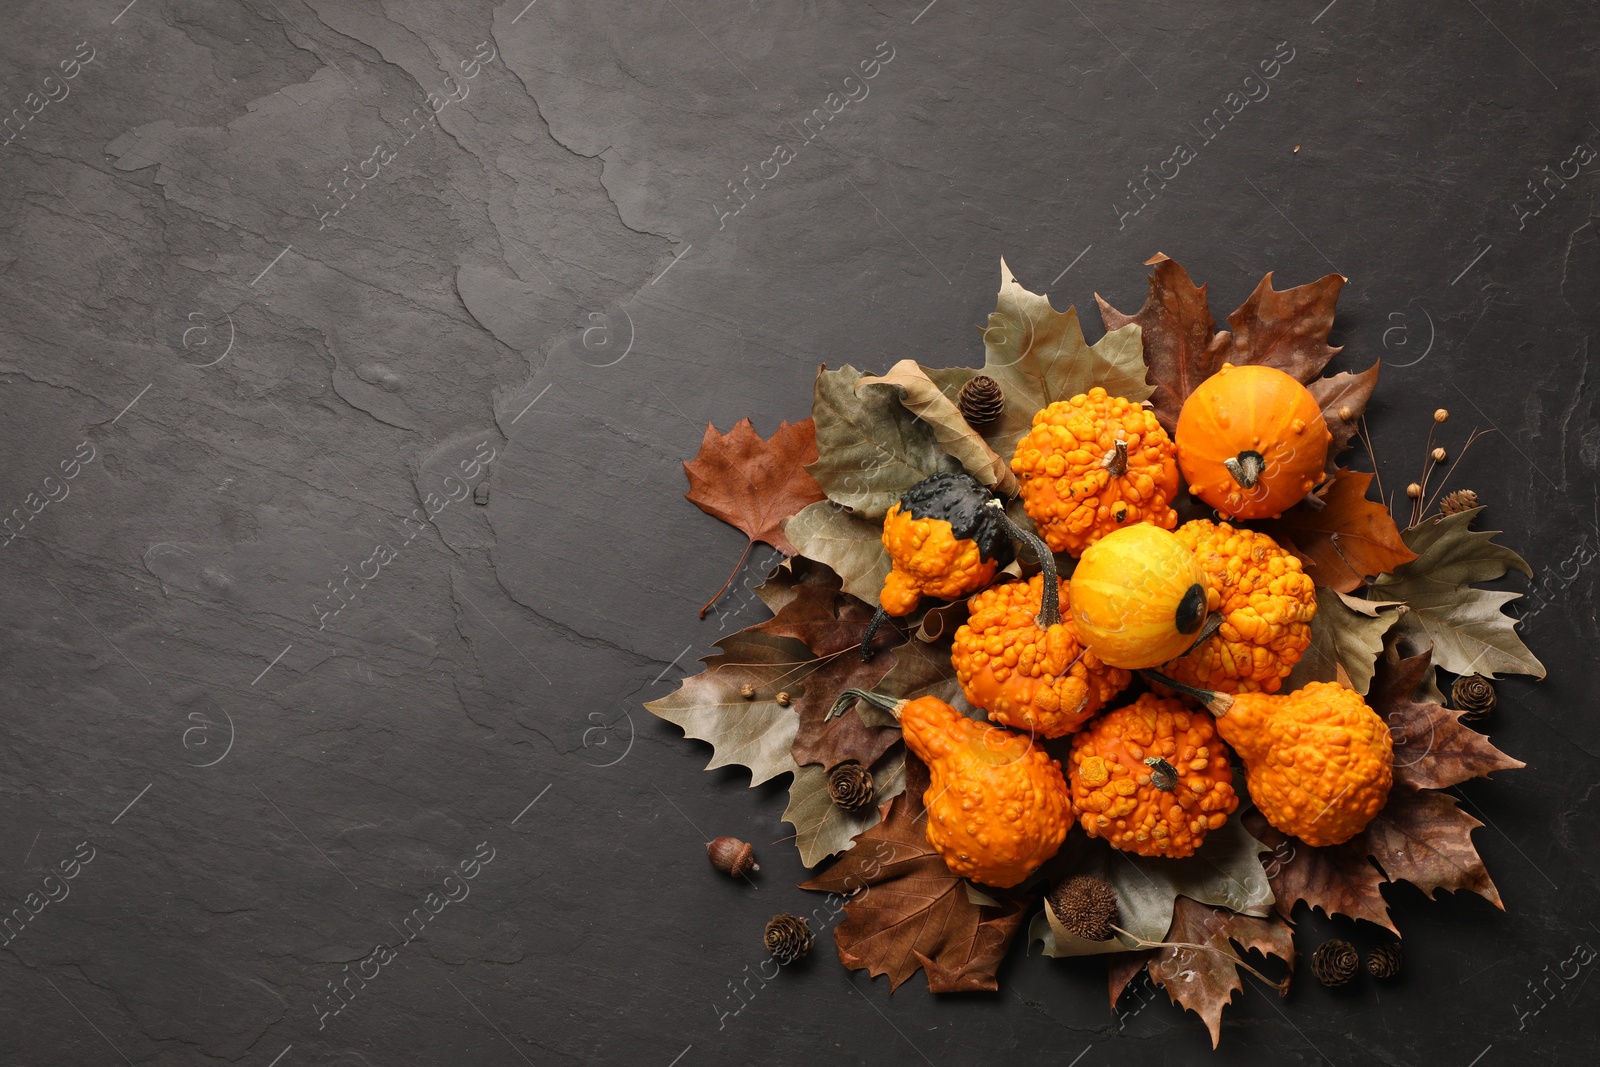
1120,797
1267,603
1318,762
944,540
1064,467
1138,597
998,805
928,559
1041,681
1259,410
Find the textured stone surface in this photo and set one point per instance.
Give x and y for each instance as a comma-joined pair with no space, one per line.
548,285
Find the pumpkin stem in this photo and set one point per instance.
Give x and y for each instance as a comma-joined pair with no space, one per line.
1213,624
1116,461
847,699
1163,775
1282,987
1246,467
1216,703
872,631
1050,599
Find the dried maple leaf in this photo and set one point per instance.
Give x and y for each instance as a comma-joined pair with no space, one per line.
830,623
1338,879
1285,329
1346,540
1422,837
870,447
907,911
1432,750
937,407
1205,982
1468,631
753,484
756,733
1346,634
1039,355
822,827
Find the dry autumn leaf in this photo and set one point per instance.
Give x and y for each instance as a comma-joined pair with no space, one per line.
1039,355
1468,631
829,623
822,828
1432,749
908,912
851,545
1347,540
1347,633
1205,982
1285,329
923,397
1338,879
1422,837
753,484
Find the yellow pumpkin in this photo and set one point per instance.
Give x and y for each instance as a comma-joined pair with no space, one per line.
1252,441
1138,597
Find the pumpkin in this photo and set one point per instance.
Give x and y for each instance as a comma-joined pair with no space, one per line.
1265,602
946,537
997,803
1151,777
1318,761
1138,598
1024,673
1252,442
1094,464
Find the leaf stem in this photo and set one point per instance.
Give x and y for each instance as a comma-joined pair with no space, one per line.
1233,957
747,547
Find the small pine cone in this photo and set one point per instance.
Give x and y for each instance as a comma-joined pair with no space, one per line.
1384,961
1335,962
851,786
1085,905
787,938
981,401
1473,696
1460,500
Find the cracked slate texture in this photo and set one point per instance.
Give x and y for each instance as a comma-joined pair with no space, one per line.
501,656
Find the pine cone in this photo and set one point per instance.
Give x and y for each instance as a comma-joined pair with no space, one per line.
1335,962
981,401
1384,961
787,938
1473,696
851,787
1085,905
1460,500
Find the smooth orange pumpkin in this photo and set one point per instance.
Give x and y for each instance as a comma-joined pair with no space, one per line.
1252,442
1138,597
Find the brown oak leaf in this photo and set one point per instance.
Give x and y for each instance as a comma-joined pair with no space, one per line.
830,623
1205,982
1338,879
753,484
1422,837
1181,345
907,911
1432,749
1348,539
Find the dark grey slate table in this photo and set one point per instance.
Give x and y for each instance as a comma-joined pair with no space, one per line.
280,279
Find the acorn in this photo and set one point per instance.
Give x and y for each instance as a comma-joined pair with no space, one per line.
1085,905
981,401
787,938
732,856
851,787
1384,961
1460,500
1473,696
1335,962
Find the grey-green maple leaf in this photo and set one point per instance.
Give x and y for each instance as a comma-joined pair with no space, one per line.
850,544
1346,632
1225,871
822,828
1469,632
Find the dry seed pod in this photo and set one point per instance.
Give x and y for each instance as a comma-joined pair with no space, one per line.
747,691
1384,961
1473,695
1441,415
980,401
1335,962
1087,906
783,698
851,787
787,938
732,856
